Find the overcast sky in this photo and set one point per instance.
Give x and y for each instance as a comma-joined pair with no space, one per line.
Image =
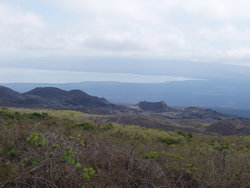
203,30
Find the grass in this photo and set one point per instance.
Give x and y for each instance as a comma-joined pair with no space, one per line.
66,149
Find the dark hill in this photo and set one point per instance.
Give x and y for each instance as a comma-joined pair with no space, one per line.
12,98
7,93
48,92
155,107
73,97
54,98
76,100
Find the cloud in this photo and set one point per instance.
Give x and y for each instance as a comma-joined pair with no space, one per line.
227,32
151,11
14,75
180,29
11,16
18,27
239,53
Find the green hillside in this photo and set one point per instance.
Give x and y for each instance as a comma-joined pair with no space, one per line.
73,149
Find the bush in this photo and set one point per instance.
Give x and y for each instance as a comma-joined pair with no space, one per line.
181,133
39,116
87,173
151,155
37,139
13,153
6,114
44,155
107,127
170,141
186,135
86,126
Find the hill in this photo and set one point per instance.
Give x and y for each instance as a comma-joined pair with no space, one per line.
147,114
154,107
54,98
66,149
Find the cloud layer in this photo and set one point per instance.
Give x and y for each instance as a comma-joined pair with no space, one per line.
13,75
180,29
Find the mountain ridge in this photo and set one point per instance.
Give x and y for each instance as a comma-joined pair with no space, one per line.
55,98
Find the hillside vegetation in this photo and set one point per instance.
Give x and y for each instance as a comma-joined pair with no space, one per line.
70,149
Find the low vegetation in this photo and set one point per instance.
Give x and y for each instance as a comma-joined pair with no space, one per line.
51,149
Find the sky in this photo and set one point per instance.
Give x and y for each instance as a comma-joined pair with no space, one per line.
191,30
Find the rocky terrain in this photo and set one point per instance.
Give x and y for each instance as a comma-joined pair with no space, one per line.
161,109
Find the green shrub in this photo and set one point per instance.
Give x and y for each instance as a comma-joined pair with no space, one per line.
107,127
190,135
186,135
13,153
151,155
86,126
36,160
176,156
170,141
37,139
39,116
25,160
221,147
87,173
68,156
78,165
181,133
6,114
